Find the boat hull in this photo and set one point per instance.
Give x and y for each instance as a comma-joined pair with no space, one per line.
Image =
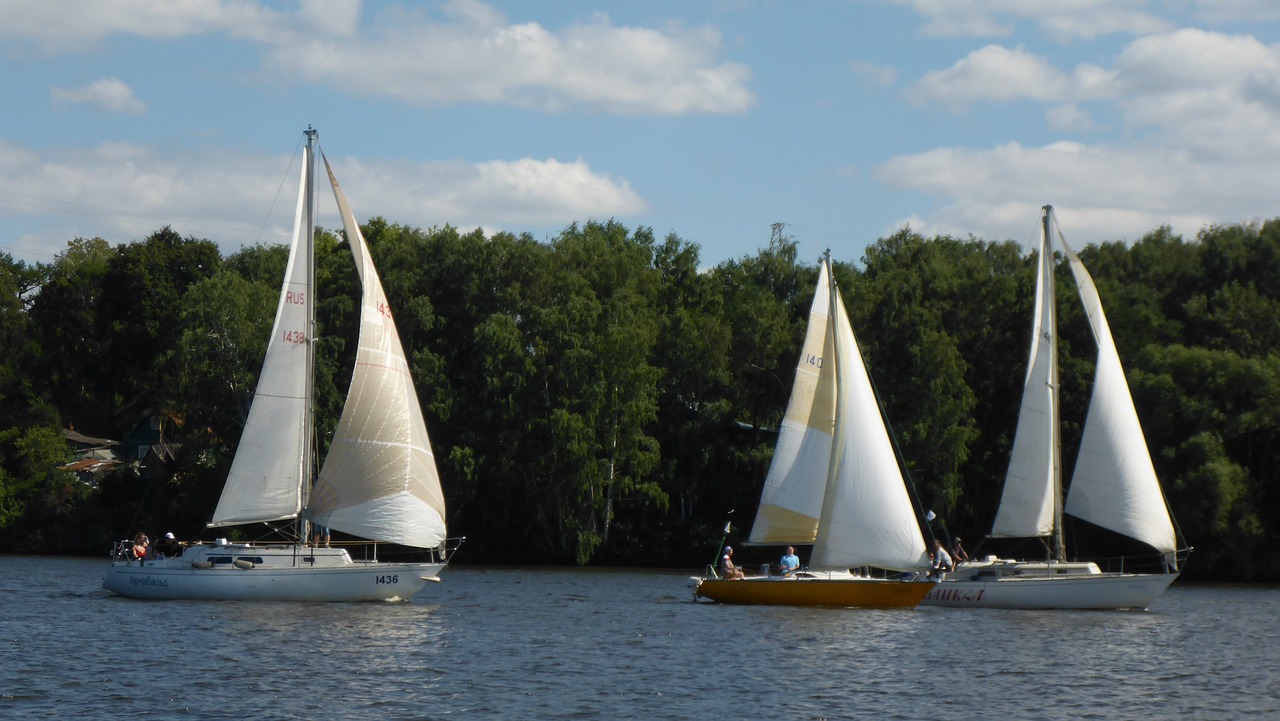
247,573
836,592
1097,592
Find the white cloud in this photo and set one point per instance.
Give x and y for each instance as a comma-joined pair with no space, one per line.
74,25
1192,59
469,54
1064,20
1213,95
1201,91
109,95
959,18
1068,117
475,55
1112,193
495,193
123,192
1188,60
1237,11
1198,144
998,73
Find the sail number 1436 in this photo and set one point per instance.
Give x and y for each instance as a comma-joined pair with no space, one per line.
388,579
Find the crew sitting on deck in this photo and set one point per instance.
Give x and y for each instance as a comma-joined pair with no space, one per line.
728,570
141,546
169,546
790,562
958,554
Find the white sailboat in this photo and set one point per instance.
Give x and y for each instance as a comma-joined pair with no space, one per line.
379,479
1114,484
834,483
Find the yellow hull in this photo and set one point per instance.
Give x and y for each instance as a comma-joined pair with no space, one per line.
842,592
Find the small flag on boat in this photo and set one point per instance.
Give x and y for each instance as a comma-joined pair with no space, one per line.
930,516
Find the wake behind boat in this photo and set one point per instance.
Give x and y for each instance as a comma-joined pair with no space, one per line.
379,480
834,483
1114,485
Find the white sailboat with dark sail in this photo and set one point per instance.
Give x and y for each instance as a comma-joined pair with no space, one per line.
1114,484
835,484
379,479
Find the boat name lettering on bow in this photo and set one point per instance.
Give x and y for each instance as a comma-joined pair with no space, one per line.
148,581
941,593
389,579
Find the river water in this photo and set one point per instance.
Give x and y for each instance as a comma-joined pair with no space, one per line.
523,644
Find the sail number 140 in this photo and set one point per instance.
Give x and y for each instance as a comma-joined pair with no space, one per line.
388,579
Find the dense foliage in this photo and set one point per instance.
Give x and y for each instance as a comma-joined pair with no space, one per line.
602,398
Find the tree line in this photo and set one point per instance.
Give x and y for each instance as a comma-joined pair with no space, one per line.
602,397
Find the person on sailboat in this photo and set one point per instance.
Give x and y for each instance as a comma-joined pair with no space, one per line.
939,561
727,568
170,546
141,546
790,562
958,554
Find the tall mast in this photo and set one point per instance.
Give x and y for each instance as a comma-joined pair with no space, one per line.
308,228
1051,298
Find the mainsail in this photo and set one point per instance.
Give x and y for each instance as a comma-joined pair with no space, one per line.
270,466
1031,486
791,503
379,479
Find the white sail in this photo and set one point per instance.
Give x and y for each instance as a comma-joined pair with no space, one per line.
379,479
268,472
1031,486
867,518
792,499
1114,484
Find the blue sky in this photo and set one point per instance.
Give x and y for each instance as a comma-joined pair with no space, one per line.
844,119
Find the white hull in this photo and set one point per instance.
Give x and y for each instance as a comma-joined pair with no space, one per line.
275,573
1030,585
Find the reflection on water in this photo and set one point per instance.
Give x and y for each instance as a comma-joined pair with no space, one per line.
613,644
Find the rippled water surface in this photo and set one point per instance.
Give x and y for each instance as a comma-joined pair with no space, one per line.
618,644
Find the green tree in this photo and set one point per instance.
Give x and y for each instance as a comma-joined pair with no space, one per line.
906,301
34,495
138,311
1213,439
606,407
68,339
692,428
